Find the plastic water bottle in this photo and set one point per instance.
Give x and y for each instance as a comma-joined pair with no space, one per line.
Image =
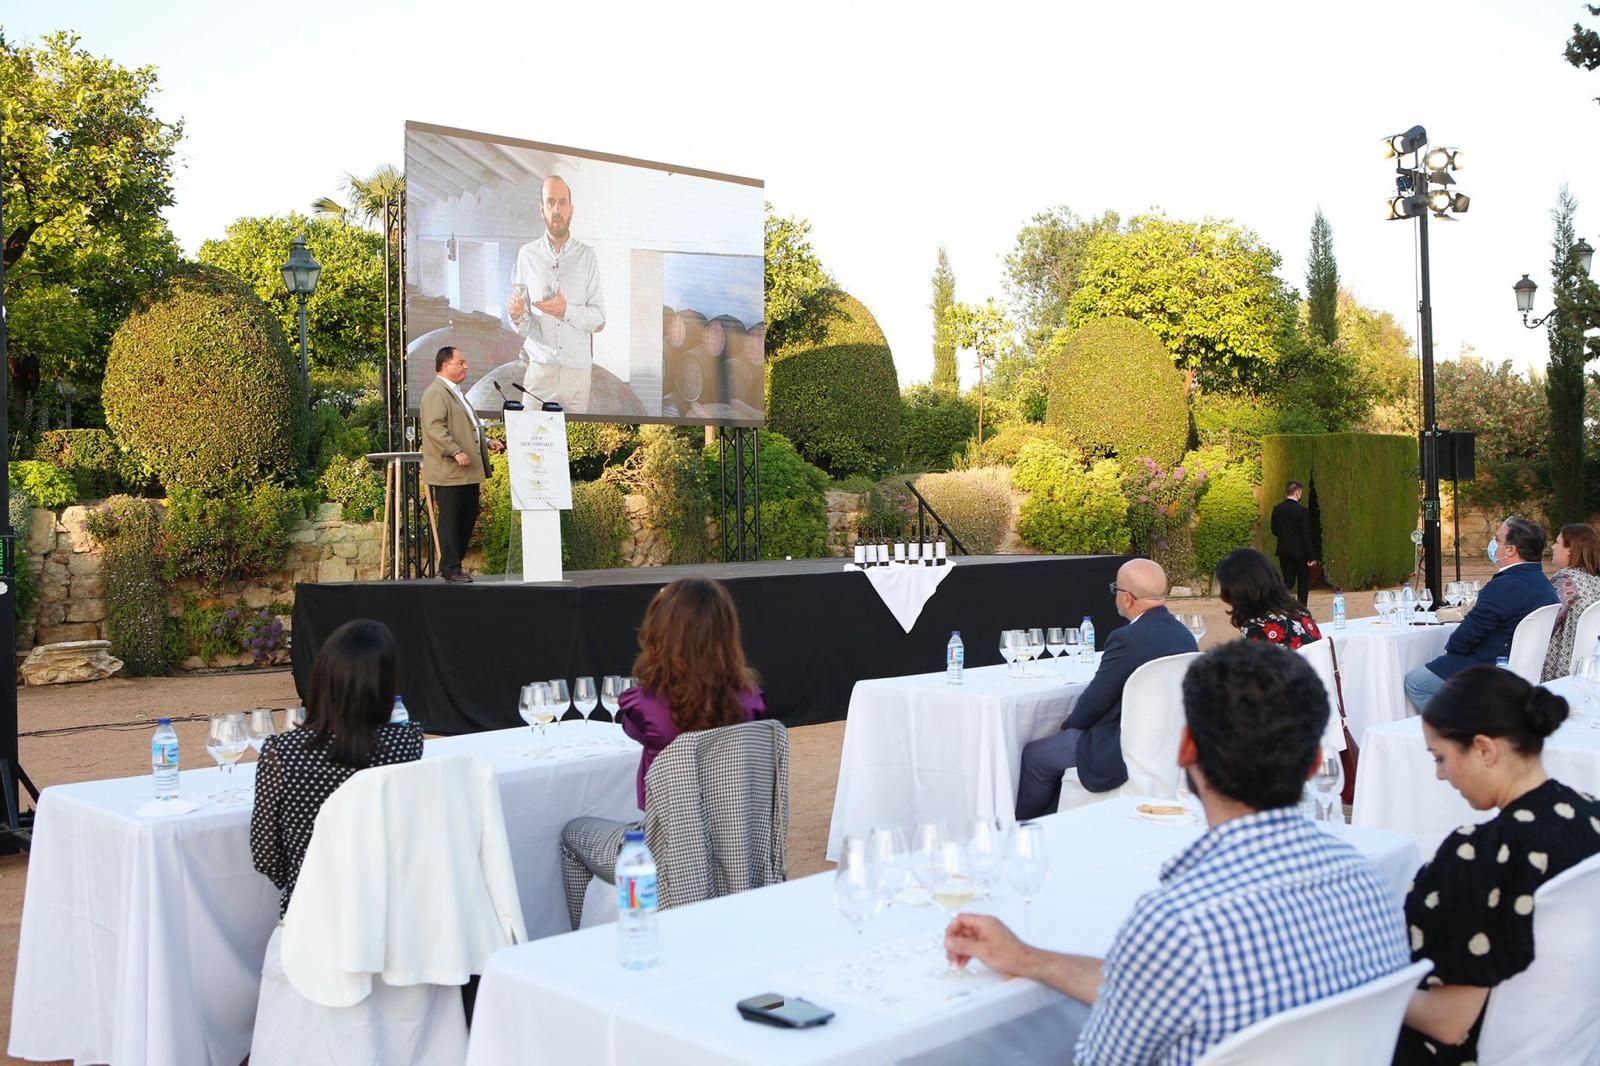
1338,608
955,659
399,714
164,759
636,903
1086,631
1504,662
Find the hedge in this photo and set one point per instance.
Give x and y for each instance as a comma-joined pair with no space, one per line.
935,425
1070,510
592,531
1114,388
840,405
129,532
1225,518
93,460
355,485
47,485
239,536
1362,489
201,385
975,504
794,502
1007,443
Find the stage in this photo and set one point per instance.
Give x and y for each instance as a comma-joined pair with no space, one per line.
811,628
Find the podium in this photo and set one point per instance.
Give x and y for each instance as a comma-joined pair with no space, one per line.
541,487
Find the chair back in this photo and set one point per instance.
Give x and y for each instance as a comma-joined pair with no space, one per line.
1357,1027
1319,654
716,806
1533,1018
1531,641
408,878
1152,725
1586,635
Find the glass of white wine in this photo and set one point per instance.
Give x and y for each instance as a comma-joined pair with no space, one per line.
226,742
986,853
538,710
952,887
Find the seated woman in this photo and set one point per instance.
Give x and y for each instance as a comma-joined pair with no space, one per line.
1470,910
1260,604
690,675
347,728
1576,553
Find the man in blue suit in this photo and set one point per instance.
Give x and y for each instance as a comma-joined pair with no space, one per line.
1091,737
1484,635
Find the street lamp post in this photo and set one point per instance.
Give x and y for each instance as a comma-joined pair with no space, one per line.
300,276
1527,287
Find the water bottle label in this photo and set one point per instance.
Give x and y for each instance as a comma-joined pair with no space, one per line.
636,893
164,754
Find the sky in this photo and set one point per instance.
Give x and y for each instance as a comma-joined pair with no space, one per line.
896,128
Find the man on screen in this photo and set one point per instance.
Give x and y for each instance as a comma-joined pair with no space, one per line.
557,305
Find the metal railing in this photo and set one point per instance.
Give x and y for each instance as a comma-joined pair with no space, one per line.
924,512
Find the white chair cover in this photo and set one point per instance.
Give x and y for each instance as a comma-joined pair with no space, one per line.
1583,641
1543,1016
1152,725
1354,1028
1531,641
1319,653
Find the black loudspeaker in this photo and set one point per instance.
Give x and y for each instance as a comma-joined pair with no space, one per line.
1458,454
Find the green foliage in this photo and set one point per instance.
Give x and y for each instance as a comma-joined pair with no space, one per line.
1161,505
1362,487
1237,423
1388,364
1583,47
935,425
945,375
226,630
21,518
983,331
1225,517
332,436
1018,388
46,484
1575,299
1209,290
1113,387
89,455
592,446
1322,283
1322,386
801,299
499,529
1510,413
795,528
794,504
238,536
202,386
344,316
1005,447
356,486
1070,510
128,530
1042,269
840,405
670,474
975,504
591,533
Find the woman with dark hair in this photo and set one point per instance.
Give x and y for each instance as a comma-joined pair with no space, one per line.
690,675
1470,910
347,728
1576,553
1260,604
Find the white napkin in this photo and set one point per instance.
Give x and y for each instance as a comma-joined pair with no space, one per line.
905,589
158,808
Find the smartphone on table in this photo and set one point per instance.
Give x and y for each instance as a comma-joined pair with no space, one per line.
787,1012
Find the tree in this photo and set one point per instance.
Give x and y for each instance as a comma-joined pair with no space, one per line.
1583,47
1564,383
365,196
982,330
344,317
1388,361
945,375
801,298
1322,282
1209,289
1042,269
1510,415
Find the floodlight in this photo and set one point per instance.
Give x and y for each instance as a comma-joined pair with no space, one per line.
1405,143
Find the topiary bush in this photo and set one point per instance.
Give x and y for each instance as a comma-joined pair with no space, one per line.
46,484
975,504
1225,517
129,533
1114,388
592,532
840,405
355,485
1003,448
201,384
235,537
88,455
1070,510
935,425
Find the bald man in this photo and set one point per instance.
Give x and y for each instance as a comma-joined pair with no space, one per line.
556,303
1091,737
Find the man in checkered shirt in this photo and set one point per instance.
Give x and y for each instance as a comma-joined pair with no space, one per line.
1263,913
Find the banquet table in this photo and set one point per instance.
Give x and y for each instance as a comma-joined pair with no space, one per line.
566,999
1396,787
142,936
918,749
1373,659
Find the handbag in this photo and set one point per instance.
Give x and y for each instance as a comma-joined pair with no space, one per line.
1352,752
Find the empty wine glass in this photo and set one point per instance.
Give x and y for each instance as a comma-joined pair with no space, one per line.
560,696
1407,601
258,727
1007,652
986,851
1196,624
293,718
584,696
1383,603
1425,599
1027,864
226,741
1327,784
856,894
1055,639
1035,647
611,690
926,843
1074,640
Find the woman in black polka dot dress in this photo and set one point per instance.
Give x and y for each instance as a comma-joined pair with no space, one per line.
1470,910
348,704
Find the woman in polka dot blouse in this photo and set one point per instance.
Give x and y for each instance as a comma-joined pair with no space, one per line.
1470,910
348,704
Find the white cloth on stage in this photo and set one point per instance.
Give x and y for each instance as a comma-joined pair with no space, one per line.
905,590
1373,660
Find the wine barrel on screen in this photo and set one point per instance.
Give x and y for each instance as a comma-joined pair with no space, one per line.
687,376
683,330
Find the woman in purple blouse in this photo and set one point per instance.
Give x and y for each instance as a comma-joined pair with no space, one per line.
690,675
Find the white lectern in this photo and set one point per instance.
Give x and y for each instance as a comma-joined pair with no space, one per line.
541,487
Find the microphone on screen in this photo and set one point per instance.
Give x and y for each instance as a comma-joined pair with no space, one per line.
506,402
544,405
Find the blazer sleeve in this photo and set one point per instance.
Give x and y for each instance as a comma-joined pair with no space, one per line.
436,423
1487,616
1103,692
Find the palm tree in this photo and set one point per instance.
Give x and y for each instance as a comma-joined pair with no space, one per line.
366,196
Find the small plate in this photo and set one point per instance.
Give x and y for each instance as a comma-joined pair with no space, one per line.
1181,818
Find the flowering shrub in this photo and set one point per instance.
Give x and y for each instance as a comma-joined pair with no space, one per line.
1161,506
219,630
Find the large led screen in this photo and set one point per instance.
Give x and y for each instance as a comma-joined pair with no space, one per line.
627,291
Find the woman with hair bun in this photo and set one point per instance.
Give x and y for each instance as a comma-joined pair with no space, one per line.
1470,910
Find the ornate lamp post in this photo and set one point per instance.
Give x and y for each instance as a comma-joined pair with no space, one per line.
300,276
1526,288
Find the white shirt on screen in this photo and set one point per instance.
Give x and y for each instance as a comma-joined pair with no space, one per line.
560,352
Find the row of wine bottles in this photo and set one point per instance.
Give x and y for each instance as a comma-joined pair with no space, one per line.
900,553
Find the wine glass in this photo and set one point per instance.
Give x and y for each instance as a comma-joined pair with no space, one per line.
258,727
611,690
584,696
411,435
1027,865
1007,653
886,850
856,894
1018,639
560,696
1589,685
1425,599
226,741
952,885
1074,640
1327,783
986,851
293,718
1055,639
538,710
926,843
1035,647
1196,624
1383,603
1407,602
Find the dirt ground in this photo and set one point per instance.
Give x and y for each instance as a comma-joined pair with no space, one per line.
101,729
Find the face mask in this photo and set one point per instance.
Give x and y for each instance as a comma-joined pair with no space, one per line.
1494,551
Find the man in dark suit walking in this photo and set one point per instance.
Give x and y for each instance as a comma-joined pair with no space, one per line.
1091,737
1291,525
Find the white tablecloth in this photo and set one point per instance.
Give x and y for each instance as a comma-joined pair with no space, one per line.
1373,660
142,938
567,1000
905,589
917,749
1396,787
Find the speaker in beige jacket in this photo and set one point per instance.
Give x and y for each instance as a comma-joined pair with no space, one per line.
449,430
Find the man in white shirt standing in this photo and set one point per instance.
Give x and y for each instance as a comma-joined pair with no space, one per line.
455,459
556,303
